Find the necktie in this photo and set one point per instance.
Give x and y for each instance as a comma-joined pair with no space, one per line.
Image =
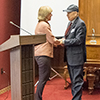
67,29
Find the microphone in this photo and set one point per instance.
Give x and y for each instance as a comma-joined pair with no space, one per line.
19,27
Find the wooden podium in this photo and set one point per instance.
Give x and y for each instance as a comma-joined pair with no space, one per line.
22,64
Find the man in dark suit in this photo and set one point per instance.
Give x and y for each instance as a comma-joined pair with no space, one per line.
75,52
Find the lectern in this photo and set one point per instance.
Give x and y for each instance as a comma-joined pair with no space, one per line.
22,64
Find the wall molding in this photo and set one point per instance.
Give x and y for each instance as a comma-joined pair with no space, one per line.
5,89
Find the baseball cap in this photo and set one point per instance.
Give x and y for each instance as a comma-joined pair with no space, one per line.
71,8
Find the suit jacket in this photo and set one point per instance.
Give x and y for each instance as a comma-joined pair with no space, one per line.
75,43
45,49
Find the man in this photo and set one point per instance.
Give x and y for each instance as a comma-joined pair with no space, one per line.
75,52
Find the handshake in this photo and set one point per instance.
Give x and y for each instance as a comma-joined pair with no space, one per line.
59,42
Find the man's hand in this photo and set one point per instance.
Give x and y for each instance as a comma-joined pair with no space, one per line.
59,42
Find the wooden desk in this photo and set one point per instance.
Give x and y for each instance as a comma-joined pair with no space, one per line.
92,66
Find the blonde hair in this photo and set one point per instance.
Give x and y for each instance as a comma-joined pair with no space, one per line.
43,12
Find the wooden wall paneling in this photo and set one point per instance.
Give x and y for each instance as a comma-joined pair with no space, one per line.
58,61
81,11
91,16
90,12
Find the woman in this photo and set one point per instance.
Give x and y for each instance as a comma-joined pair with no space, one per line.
44,52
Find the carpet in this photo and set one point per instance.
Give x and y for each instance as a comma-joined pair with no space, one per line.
54,90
